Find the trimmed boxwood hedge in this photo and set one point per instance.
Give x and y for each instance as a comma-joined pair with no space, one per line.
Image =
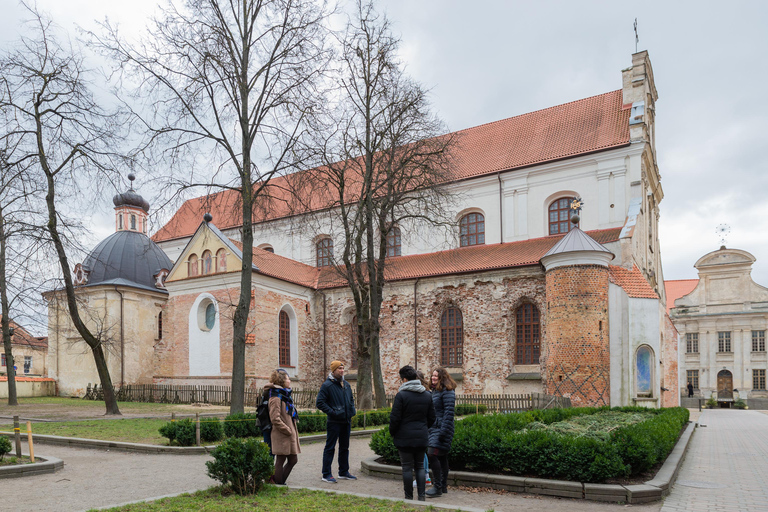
501,442
183,431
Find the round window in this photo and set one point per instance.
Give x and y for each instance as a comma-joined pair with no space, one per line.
210,316
206,315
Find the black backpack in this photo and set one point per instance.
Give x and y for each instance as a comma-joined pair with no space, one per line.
262,413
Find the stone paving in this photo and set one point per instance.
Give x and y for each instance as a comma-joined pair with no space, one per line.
726,468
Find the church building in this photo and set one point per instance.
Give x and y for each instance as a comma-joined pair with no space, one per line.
518,299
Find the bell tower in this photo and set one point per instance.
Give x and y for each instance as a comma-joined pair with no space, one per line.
131,210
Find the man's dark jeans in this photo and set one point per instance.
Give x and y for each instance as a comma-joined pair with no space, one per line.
337,432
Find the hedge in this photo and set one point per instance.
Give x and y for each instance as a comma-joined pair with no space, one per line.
502,443
183,431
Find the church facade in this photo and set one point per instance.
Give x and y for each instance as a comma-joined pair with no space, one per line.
516,299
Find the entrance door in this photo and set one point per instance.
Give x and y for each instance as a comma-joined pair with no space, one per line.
724,384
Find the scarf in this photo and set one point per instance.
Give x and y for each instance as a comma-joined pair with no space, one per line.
284,394
413,385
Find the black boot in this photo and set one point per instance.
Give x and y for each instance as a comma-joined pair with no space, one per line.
434,492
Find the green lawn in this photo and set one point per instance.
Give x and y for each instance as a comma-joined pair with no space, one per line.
274,499
137,430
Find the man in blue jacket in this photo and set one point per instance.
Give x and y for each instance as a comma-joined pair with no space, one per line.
336,401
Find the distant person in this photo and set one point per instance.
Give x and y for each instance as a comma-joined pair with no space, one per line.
336,401
441,433
285,434
690,390
412,415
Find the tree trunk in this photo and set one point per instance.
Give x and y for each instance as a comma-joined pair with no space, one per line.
6,319
364,390
378,378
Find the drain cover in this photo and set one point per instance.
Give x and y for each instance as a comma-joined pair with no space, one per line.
701,485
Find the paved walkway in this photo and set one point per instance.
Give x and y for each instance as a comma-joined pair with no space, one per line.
726,468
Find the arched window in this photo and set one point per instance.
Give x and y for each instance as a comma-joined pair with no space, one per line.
527,339
324,252
451,338
393,242
210,316
560,216
221,260
160,325
284,337
120,221
353,343
268,248
194,266
133,222
644,372
472,229
207,262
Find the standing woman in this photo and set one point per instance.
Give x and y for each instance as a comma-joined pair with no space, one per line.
285,434
441,433
412,415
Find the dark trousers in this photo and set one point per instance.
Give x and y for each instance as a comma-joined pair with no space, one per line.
337,432
413,459
438,461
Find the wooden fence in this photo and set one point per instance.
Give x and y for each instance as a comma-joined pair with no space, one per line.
305,399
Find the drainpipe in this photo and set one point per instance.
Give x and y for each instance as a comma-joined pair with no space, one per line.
122,341
501,212
325,355
415,327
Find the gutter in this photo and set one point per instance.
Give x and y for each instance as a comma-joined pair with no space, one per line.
415,327
122,339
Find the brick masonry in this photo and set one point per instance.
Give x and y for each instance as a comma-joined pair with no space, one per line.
577,351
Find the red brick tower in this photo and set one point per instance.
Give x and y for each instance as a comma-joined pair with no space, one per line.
577,356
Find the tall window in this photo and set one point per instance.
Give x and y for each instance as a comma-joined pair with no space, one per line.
285,339
133,222
194,266
560,216
692,342
693,378
207,262
353,343
644,372
2,360
120,221
724,341
451,337
160,325
324,252
221,260
393,242
28,366
472,229
758,341
758,379
527,339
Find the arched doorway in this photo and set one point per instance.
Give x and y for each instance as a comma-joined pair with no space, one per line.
724,384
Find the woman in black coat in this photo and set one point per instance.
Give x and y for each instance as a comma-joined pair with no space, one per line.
441,433
412,415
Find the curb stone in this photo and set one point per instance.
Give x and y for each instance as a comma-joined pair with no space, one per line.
45,465
652,490
100,444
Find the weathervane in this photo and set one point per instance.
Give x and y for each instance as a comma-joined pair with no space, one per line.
576,205
637,38
722,231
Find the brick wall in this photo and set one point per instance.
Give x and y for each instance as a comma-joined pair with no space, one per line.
669,367
577,349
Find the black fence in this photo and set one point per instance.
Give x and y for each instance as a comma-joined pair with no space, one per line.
305,399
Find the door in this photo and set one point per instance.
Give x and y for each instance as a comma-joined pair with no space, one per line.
724,384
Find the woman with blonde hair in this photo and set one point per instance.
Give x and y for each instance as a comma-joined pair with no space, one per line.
285,434
441,433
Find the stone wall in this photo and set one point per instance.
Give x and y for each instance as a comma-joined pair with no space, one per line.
669,368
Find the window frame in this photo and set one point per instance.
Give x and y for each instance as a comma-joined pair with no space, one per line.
724,342
394,242
465,226
758,341
530,339
692,343
324,252
284,339
27,365
758,379
452,338
560,221
651,368
692,377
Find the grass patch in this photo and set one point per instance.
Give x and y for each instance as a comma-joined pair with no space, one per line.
137,430
272,498
8,460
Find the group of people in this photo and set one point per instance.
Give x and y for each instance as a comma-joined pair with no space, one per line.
421,425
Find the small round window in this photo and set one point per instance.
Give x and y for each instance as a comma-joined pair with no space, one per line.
206,315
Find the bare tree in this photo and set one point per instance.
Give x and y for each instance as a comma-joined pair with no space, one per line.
382,163
63,136
232,80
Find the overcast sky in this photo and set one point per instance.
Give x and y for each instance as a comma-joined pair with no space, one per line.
489,60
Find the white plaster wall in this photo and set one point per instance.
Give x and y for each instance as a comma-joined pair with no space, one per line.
204,346
618,330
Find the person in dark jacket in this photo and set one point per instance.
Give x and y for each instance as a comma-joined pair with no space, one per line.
412,415
441,433
336,401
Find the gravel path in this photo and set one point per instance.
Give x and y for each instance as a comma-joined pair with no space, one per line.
97,478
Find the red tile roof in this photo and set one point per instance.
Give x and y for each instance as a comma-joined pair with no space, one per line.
564,131
632,281
678,288
22,337
479,258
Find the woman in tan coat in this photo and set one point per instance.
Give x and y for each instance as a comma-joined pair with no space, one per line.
285,434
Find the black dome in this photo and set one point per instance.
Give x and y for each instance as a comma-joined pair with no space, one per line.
131,198
126,258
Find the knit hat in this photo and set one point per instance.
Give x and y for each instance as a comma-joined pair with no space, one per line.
335,365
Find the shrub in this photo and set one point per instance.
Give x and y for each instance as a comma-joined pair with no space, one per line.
311,422
740,404
5,446
181,431
242,425
243,464
211,430
382,445
711,402
644,444
465,409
